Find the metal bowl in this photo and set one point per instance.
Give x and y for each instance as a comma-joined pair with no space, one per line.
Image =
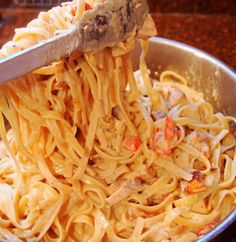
204,73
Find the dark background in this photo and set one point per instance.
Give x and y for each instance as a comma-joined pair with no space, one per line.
206,24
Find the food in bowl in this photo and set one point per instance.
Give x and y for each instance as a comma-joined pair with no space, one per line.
94,152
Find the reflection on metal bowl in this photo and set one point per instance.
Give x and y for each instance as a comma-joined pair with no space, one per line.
205,74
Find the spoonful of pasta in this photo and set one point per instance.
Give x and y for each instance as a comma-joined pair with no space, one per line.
103,24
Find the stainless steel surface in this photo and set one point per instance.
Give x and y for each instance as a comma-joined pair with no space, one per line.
219,229
38,55
204,73
105,25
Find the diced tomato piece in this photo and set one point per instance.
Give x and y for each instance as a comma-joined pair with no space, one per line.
195,186
163,141
207,228
160,144
88,7
131,143
170,129
138,180
73,11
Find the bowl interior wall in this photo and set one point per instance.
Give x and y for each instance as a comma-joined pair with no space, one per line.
202,72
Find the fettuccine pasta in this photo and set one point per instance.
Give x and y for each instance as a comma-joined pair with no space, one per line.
91,151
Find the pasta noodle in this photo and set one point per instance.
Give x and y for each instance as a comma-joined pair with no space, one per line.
91,151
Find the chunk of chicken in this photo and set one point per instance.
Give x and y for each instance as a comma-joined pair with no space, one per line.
125,190
173,96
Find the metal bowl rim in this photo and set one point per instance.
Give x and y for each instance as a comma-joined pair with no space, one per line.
197,52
